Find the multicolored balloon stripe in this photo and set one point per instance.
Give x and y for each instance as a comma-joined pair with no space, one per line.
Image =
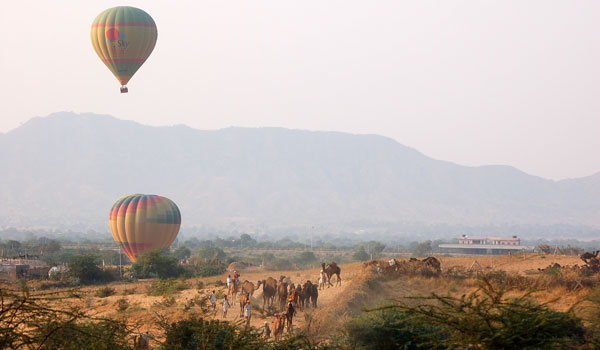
124,38
141,223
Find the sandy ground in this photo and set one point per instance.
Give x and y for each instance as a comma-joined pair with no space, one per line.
334,303
517,264
143,309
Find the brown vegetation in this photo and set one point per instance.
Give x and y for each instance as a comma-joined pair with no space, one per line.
366,287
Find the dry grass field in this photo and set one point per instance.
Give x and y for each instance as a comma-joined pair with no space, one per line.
361,288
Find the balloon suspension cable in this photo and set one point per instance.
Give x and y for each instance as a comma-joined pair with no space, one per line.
124,89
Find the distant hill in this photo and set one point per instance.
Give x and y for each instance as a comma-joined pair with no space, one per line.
66,170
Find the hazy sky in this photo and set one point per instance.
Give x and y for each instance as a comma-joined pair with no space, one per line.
473,82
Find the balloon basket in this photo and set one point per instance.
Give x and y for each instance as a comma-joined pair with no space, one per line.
124,89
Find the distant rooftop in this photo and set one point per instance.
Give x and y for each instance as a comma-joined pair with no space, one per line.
487,246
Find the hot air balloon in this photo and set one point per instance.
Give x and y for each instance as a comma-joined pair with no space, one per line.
141,223
124,37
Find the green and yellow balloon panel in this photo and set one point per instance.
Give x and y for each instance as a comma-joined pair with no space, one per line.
140,223
124,38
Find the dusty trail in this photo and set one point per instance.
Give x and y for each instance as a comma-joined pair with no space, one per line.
359,290
327,296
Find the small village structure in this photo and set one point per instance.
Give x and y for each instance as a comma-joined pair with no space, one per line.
13,269
486,246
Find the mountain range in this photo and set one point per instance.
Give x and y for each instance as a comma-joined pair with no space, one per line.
66,170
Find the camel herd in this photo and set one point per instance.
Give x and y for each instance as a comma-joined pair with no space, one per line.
303,294
429,266
591,266
284,295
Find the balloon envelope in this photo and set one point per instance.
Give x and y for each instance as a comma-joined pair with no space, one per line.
141,223
123,38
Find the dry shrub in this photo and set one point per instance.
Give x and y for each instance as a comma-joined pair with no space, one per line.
508,280
457,272
199,300
166,301
166,287
122,304
105,292
128,291
488,318
549,279
568,278
217,283
358,294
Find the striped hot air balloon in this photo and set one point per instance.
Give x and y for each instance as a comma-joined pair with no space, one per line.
141,223
123,37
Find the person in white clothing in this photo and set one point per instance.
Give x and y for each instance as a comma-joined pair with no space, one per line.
322,280
247,311
213,300
225,306
228,281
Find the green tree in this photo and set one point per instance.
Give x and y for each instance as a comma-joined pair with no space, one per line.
305,258
85,268
12,246
422,249
51,247
197,333
156,264
377,248
592,316
488,319
182,253
42,245
389,329
50,321
360,254
211,253
247,241
192,242
100,335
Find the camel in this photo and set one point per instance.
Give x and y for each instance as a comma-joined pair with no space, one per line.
587,256
268,293
311,293
330,270
592,262
282,293
272,282
248,287
233,289
307,294
314,295
243,299
299,295
277,326
433,263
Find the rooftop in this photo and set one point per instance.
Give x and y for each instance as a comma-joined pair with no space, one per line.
487,246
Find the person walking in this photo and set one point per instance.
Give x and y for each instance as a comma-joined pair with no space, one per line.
247,311
213,300
225,306
228,281
322,280
266,331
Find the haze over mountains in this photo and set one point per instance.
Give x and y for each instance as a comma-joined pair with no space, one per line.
66,170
